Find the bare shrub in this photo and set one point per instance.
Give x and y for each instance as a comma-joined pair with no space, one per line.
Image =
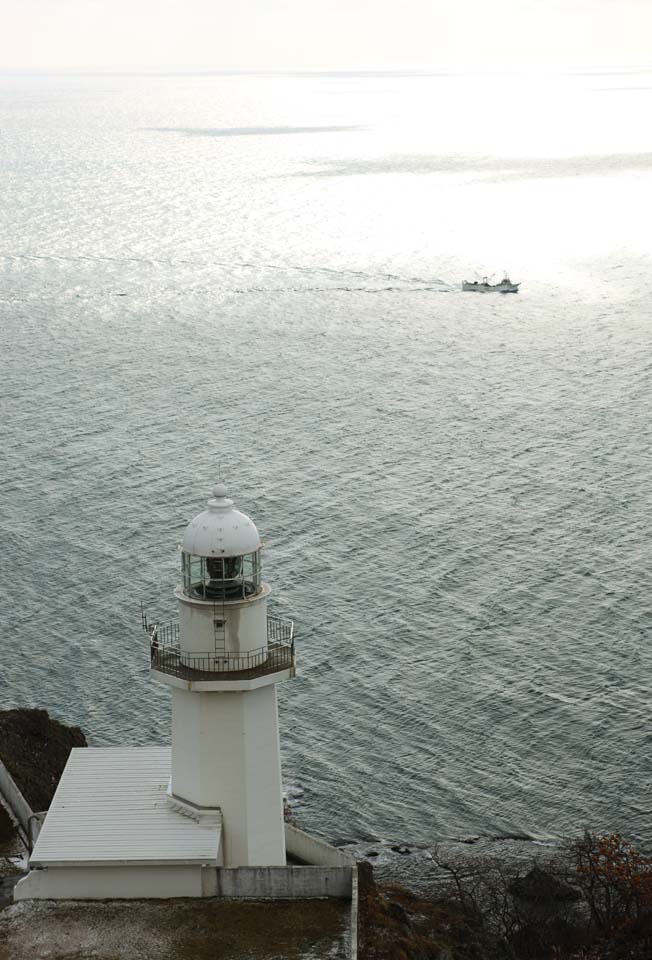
615,881
516,912
592,902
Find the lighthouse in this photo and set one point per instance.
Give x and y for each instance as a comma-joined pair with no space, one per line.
202,817
223,658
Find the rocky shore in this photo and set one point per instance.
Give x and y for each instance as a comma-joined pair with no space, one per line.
590,901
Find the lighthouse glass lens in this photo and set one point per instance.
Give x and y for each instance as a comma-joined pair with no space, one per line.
226,578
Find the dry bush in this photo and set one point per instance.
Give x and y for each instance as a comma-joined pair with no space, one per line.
516,912
593,902
615,881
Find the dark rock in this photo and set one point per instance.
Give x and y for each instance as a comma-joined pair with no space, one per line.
371,853
398,912
7,831
35,749
539,885
401,848
525,837
7,885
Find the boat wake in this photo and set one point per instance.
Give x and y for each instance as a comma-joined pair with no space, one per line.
425,283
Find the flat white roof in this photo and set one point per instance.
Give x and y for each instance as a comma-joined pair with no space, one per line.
111,807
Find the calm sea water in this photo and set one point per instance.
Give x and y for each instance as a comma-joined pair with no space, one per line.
259,277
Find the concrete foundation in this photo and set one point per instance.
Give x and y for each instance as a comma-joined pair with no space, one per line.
130,882
166,882
328,872
282,883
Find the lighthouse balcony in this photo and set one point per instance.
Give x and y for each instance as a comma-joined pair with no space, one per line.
223,669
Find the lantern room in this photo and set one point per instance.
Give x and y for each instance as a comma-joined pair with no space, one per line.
220,553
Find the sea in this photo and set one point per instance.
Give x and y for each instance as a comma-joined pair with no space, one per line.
256,278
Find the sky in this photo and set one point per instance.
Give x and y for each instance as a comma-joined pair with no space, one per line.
104,35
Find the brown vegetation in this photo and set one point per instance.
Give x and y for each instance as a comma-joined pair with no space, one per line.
35,748
593,902
201,929
391,921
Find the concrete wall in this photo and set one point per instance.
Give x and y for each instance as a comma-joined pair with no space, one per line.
162,882
312,851
110,883
355,915
278,883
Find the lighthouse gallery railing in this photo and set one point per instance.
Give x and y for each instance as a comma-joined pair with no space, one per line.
167,657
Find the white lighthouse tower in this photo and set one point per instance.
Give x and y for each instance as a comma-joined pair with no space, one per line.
223,659
193,818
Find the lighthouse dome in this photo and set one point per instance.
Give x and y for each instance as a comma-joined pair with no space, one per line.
221,530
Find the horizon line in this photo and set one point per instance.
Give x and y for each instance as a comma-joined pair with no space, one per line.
443,71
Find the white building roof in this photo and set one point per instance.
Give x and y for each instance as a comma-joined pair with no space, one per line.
220,531
111,807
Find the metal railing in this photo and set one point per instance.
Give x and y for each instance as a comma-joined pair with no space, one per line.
280,631
167,656
166,633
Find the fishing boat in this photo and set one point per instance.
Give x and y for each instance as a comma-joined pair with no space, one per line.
484,286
